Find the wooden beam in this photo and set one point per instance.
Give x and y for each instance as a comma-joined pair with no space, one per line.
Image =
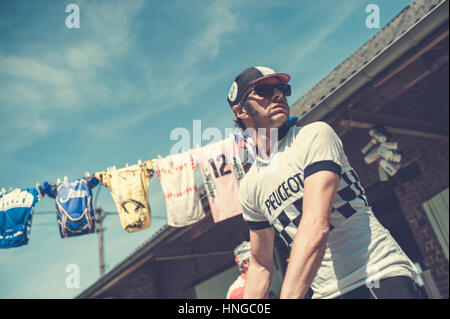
394,124
177,257
413,58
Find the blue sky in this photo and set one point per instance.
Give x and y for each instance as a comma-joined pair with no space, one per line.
111,92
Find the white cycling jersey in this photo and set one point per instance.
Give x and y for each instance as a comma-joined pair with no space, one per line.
359,248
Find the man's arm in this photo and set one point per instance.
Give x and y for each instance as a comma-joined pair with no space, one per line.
311,237
259,273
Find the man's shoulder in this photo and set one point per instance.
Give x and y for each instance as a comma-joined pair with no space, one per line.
305,135
313,127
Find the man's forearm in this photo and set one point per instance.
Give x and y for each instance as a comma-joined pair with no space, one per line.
257,282
305,259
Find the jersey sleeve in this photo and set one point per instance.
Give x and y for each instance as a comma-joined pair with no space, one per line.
103,178
49,189
255,219
322,149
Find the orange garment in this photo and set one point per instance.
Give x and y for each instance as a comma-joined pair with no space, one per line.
236,290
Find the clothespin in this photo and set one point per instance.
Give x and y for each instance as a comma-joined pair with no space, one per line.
159,156
65,179
3,190
58,181
87,174
38,188
126,165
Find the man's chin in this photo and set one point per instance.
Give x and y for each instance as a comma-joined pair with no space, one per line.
280,118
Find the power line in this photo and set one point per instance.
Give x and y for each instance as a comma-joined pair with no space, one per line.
105,213
100,216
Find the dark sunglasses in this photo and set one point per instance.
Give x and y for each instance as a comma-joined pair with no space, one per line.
266,90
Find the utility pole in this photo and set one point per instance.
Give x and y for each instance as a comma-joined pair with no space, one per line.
99,225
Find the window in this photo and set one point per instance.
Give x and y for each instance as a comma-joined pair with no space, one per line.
437,210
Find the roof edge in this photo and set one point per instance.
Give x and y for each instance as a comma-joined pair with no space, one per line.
407,40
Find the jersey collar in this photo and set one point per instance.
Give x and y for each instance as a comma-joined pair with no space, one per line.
284,129
282,132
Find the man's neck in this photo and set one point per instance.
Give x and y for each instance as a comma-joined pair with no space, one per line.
266,138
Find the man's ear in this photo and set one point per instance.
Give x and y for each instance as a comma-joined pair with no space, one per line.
240,112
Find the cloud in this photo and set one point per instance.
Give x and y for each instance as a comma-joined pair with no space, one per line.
39,90
185,79
86,57
34,70
313,41
94,73
221,22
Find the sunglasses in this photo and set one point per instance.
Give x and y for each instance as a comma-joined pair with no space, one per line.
266,90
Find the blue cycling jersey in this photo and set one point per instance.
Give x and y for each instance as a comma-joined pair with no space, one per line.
16,209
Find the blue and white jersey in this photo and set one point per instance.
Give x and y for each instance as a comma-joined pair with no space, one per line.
358,247
16,208
75,213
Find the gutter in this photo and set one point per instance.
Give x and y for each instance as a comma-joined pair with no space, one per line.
410,38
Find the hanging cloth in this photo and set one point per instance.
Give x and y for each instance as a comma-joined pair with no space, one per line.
222,171
176,175
129,190
16,210
74,210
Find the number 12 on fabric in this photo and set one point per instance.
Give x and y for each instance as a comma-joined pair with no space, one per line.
222,171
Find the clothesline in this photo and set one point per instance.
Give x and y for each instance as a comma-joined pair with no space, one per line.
220,168
49,212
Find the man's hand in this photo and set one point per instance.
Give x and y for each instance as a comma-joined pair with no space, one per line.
311,238
259,273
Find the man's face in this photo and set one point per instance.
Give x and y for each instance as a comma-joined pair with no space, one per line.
267,112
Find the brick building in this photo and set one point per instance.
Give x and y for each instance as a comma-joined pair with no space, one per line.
397,80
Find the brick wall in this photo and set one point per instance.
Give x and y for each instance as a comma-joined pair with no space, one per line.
432,157
140,284
428,100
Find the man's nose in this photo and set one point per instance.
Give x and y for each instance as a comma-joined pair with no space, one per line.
277,94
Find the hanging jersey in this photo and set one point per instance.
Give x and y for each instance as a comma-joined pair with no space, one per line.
16,209
176,175
74,210
358,246
129,190
222,171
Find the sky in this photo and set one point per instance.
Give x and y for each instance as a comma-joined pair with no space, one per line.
111,92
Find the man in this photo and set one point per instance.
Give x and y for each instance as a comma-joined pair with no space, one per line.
242,258
302,187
